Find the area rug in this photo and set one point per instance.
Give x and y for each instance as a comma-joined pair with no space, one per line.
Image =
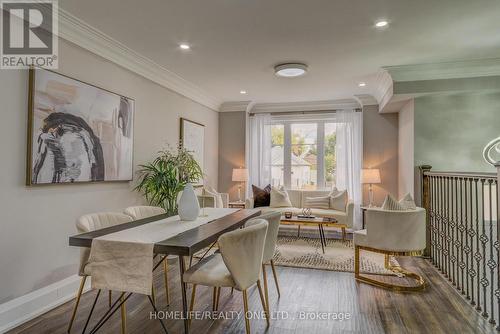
303,252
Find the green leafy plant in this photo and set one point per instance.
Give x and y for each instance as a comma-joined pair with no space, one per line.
161,180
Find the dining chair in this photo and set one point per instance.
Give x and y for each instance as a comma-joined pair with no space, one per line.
273,219
237,265
144,211
89,223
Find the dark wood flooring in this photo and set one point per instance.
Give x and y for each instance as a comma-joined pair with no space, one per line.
439,309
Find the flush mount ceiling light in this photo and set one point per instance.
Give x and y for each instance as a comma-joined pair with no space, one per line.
243,91
184,46
381,23
290,70
362,84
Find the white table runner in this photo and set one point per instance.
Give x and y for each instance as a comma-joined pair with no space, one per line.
123,261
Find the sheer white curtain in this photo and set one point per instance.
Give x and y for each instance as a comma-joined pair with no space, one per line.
349,153
259,151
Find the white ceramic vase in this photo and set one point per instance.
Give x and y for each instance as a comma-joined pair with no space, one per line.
189,208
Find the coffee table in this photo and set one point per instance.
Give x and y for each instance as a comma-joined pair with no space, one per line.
320,221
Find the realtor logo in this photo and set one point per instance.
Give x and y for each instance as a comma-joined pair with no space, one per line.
29,34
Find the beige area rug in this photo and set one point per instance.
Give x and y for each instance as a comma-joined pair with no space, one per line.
306,252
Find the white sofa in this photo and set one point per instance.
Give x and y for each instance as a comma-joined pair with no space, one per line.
298,200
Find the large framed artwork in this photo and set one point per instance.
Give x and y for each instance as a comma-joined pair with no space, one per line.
77,132
193,138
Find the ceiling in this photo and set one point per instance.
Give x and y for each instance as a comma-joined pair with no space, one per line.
236,43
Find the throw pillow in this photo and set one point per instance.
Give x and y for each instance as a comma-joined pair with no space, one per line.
279,198
408,202
261,197
391,204
318,202
338,200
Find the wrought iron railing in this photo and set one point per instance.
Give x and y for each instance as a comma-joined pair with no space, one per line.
463,234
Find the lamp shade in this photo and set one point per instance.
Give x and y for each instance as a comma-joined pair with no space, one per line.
240,174
370,176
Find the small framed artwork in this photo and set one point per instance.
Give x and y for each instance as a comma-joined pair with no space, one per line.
193,138
77,132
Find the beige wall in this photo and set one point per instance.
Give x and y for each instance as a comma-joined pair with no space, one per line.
380,150
405,149
36,222
232,131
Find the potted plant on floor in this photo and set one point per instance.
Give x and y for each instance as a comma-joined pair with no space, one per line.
162,180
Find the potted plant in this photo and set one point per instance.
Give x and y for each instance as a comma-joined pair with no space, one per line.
162,180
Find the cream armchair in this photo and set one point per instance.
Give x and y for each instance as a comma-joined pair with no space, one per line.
397,233
209,200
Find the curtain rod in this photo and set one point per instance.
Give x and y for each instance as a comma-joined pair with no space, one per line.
312,112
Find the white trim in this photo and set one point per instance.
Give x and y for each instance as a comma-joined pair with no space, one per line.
20,310
235,106
448,70
84,35
366,100
305,106
383,88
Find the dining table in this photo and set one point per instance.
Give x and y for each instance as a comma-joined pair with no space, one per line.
184,244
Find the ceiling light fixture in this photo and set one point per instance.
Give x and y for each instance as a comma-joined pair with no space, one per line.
184,46
362,84
290,70
243,91
381,23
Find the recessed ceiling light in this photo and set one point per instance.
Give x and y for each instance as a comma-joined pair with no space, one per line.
290,70
243,91
381,23
362,84
184,46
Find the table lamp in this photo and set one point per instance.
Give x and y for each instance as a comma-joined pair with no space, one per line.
370,176
240,175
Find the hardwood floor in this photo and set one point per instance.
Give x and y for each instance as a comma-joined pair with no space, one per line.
439,309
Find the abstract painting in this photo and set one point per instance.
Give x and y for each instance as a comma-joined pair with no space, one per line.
77,132
193,138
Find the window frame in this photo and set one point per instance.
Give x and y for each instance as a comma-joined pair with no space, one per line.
287,148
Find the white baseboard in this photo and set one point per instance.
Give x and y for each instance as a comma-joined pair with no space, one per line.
17,311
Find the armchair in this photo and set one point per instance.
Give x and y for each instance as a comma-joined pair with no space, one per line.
210,199
397,233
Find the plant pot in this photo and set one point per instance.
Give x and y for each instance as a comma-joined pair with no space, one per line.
189,208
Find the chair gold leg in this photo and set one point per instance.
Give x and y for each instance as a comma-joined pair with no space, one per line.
232,290
275,278
343,234
77,302
191,306
153,293
356,261
110,297
123,311
245,308
266,291
386,261
165,276
217,298
420,282
214,296
264,304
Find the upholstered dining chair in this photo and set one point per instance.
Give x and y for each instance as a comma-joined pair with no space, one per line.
396,233
273,218
144,211
236,266
89,223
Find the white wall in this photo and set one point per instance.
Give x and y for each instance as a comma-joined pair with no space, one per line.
36,222
405,149
380,150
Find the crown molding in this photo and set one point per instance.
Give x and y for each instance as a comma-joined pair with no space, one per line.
84,35
445,70
306,106
366,100
232,106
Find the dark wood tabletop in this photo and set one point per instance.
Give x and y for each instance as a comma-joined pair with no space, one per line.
186,243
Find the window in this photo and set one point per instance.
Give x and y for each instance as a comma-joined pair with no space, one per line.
303,154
